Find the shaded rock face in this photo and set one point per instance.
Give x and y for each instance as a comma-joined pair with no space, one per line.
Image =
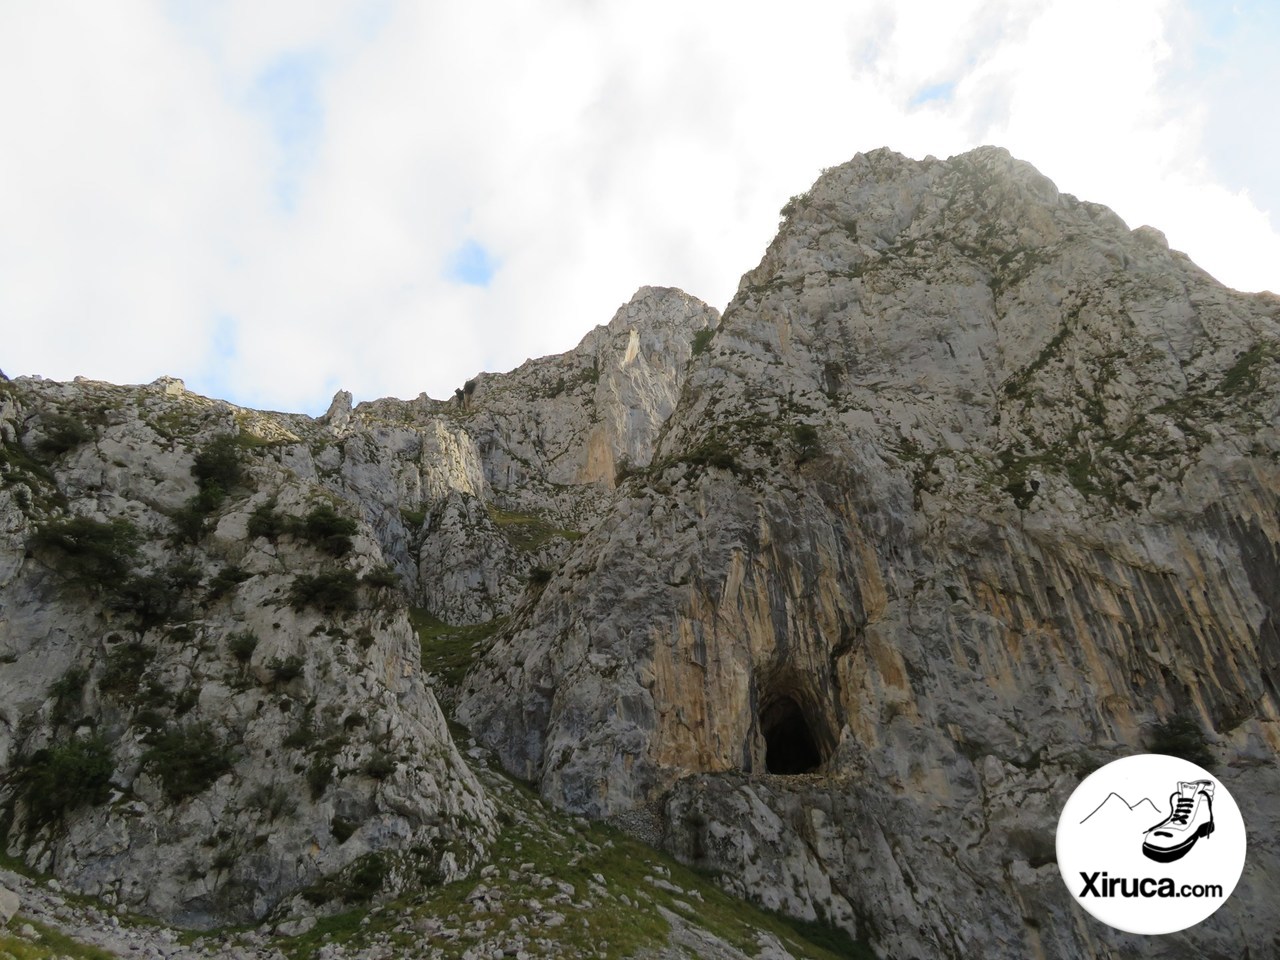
211,696
181,732
973,488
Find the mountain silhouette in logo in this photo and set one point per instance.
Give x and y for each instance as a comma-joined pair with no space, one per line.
1116,807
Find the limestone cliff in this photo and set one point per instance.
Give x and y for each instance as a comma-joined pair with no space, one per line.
211,695
839,595
974,487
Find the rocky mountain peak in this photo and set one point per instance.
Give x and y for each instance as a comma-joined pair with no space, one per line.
836,596
957,443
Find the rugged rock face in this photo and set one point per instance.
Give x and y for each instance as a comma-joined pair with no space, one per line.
969,490
212,694
974,487
200,718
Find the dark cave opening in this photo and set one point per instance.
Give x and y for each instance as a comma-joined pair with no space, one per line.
790,746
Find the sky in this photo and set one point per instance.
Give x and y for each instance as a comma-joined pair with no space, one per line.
277,201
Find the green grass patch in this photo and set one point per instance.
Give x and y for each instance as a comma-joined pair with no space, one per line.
449,651
339,928
413,518
538,848
1016,385
51,943
527,531
702,340
1243,376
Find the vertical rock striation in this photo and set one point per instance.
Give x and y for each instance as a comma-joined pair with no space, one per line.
973,488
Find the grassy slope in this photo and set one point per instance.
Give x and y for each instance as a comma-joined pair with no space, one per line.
617,885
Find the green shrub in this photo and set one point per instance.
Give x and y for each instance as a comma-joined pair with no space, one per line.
153,693
217,469
413,518
182,633
319,775
322,527
187,760
1181,737
380,766
321,769
151,599
55,781
185,700
227,579
62,434
286,670
702,340
327,529
275,801
68,693
300,736
265,522
190,522
184,575
342,829
218,472
792,206
125,666
366,878
381,578
332,592
712,452
92,553
808,446
623,470
242,644
150,720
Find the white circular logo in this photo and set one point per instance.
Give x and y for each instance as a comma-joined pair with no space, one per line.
1151,844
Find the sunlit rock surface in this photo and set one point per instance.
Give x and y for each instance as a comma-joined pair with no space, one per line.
838,595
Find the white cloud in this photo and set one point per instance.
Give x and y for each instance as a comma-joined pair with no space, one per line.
268,200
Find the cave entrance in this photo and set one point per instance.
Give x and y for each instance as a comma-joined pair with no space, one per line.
790,746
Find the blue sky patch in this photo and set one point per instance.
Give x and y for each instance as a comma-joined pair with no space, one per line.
216,376
938,91
287,92
225,334
472,264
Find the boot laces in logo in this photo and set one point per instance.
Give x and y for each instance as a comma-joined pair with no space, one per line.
1144,864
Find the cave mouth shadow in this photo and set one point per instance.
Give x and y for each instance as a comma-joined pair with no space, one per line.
790,746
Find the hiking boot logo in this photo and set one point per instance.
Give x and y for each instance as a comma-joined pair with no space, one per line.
1190,818
1126,856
